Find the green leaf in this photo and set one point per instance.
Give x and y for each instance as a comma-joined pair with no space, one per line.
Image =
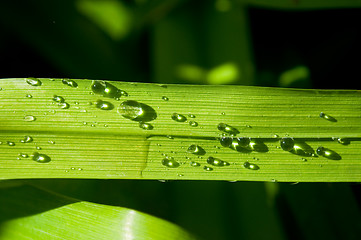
84,141
27,212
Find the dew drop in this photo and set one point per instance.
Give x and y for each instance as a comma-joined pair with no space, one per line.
170,162
29,118
107,90
250,166
41,158
194,164
70,83
58,99
227,129
28,96
191,115
343,141
23,155
64,105
136,111
165,98
146,126
33,81
217,162
26,139
38,148
104,105
193,123
10,143
206,168
242,141
327,153
327,117
195,149
226,141
51,142
287,143
179,117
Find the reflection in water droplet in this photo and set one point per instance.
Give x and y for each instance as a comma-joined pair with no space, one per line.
227,129
226,141
165,98
70,83
41,158
29,118
170,162
194,164
58,99
107,90
195,149
250,166
104,105
217,162
64,105
10,143
33,81
193,123
145,126
206,168
27,139
136,111
191,115
287,143
327,117
178,117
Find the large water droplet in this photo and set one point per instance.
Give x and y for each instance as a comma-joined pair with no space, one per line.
170,162
27,139
195,149
33,81
70,83
243,141
104,105
145,126
217,162
250,166
107,90
327,117
226,141
328,153
41,158
136,111
287,143
178,117
58,99
227,129
29,118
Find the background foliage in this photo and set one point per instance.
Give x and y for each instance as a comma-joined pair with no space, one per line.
267,43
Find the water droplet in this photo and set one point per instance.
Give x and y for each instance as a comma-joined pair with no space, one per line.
328,153
227,129
327,117
28,96
343,141
195,149
223,113
145,126
51,142
136,111
80,169
248,126
33,81
64,105
180,175
226,141
206,168
304,159
170,137
23,155
41,158
27,139
107,90
275,136
170,162
193,123
194,164
37,147
217,162
29,118
242,141
179,117
165,98
104,105
251,166
58,99
69,82
10,143
191,115
287,143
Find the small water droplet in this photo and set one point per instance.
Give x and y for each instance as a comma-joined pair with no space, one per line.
170,162
195,149
136,111
193,123
248,126
58,99
145,126
33,81
179,117
38,148
169,137
26,139
287,143
29,118
104,105
227,129
206,168
304,159
195,164
191,115
226,141
107,90
80,169
223,113
41,158
343,141
63,105
327,117
275,136
70,83
217,162
10,143
251,166
28,96
23,155
51,142
165,98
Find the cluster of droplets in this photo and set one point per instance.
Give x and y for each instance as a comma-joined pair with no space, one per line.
181,118
60,101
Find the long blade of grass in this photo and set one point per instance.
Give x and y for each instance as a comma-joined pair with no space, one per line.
83,141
